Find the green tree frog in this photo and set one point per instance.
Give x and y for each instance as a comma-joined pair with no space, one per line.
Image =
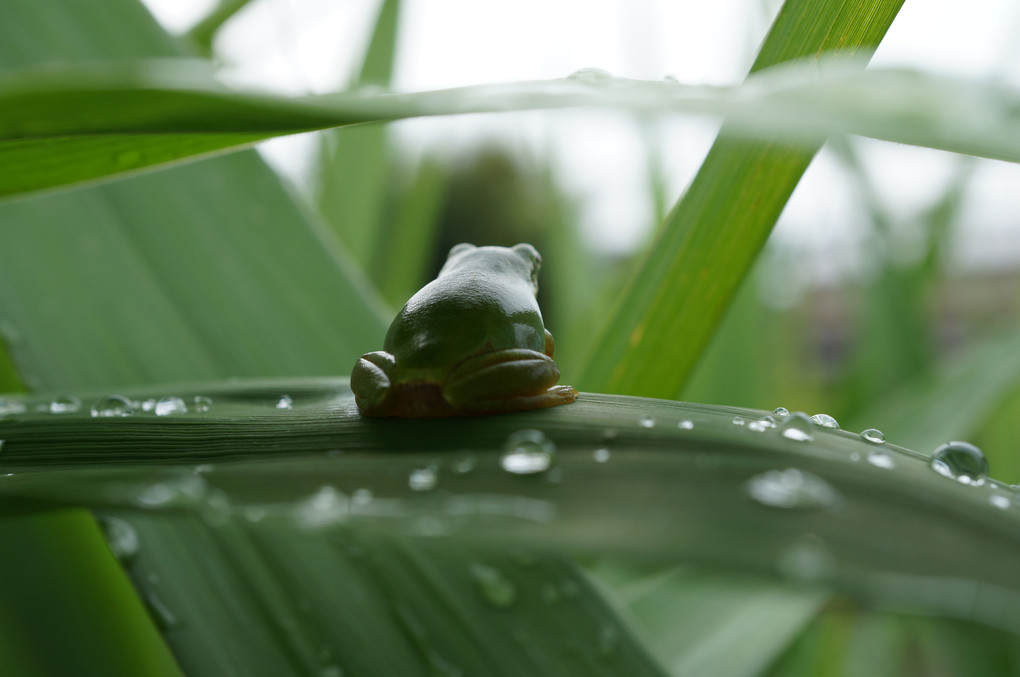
471,342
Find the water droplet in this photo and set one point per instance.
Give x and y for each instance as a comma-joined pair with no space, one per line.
495,587
825,421
880,459
180,491
114,405
527,452
121,537
807,560
285,402
873,435
203,468
647,422
780,412
169,406
685,424
757,426
149,404
10,407
326,506
591,76
791,488
362,497
671,79
767,421
738,421
202,403
66,404
608,435
465,462
423,479
854,456
1000,501
798,427
960,461
601,455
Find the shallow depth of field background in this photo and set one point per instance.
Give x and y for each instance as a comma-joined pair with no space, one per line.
890,265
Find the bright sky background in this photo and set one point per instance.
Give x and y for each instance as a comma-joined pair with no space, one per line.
302,46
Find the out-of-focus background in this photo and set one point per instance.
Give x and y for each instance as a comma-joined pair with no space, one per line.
891,268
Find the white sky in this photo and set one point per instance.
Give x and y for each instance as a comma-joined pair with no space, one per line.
315,45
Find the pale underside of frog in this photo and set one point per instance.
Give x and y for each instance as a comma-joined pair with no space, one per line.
469,343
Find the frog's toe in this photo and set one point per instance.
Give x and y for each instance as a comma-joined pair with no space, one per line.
370,382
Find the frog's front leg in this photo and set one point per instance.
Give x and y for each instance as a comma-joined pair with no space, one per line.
506,380
372,382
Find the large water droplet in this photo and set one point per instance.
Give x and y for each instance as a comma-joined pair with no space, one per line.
960,461
825,421
10,407
285,402
527,452
114,405
66,404
780,412
873,435
798,427
591,76
423,479
791,488
495,587
170,406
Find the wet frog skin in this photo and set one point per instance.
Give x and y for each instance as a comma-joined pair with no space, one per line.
469,343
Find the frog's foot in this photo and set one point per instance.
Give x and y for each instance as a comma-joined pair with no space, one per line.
506,380
371,383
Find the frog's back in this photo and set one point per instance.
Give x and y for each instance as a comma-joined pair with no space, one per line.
463,314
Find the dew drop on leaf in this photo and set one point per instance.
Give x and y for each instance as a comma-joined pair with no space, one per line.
780,412
66,404
880,459
114,406
591,76
285,402
647,422
825,421
527,452
685,424
202,403
10,407
960,461
792,489
423,479
168,406
601,454
873,435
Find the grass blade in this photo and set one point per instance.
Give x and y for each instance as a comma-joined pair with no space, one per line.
675,302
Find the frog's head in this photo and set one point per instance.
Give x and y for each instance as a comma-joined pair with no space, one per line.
522,260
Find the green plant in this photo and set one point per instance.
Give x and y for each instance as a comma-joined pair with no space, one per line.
269,530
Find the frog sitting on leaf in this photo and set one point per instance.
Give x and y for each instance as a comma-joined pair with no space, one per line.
471,342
